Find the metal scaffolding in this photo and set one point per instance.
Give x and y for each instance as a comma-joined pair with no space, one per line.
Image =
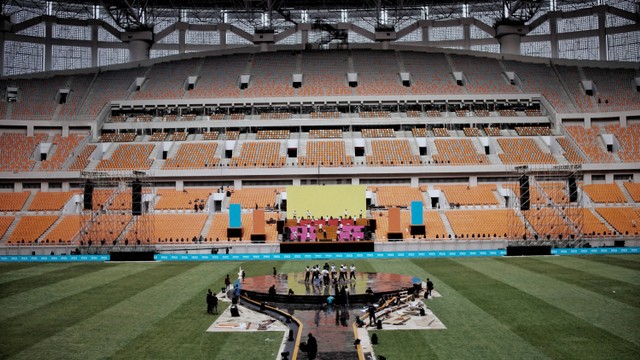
112,221
547,207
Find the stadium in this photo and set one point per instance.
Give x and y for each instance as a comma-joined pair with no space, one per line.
428,139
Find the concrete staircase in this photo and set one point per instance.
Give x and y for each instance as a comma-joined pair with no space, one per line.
447,224
207,224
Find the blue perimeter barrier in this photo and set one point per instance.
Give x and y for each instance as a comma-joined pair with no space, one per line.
316,256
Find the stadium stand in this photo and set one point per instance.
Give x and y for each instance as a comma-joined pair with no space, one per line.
377,133
169,199
167,80
108,86
377,73
470,195
629,140
17,151
272,134
588,141
183,228
325,134
271,75
250,198
30,227
5,222
430,74
634,190
193,156
128,157
480,224
458,152
615,90
533,130
213,83
523,151
50,201
326,154
392,153
624,219
65,230
483,75
324,74
265,154
570,152
604,193
63,149
388,196
13,201
82,160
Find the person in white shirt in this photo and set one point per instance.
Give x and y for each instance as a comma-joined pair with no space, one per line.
352,272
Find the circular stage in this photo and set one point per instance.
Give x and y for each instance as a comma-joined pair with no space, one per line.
257,288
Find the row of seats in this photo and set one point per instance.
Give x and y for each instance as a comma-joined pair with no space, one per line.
193,156
533,130
470,195
457,152
64,148
249,198
272,134
326,154
523,151
169,199
118,137
588,140
128,157
17,151
392,153
325,134
377,133
259,154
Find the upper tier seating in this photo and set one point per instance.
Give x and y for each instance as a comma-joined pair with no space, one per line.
377,73
213,83
492,131
271,75
470,195
167,80
128,157
533,112
433,113
109,85
523,151
82,160
588,141
634,190
471,131
50,201
483,75
440,132
629,139
232,135
554,192
210,135
325,74
533,130
272,134
604,193
507,112
259,154
178,136
169,199
570,153
178,227
36,98
389,196
64,148
540,78
374,114
5,222
193,156
13,201
419,132
30,227
325,153
482,112
65,230
573,84
275,115
325,115
325,134
458,152
377,133
17,151
615,89
158,136
392,153
413,113
79,86
430,74
484,224
248,198
625,220
118,137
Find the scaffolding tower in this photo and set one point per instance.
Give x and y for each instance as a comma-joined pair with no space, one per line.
114,216
547,206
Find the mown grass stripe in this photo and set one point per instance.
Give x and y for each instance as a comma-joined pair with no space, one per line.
620,291
631,262
183,332
33,282
596,268
137,306
50,320
7,267
466,323
20,272
603,325
29,301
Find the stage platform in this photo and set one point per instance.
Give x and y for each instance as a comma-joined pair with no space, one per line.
257,288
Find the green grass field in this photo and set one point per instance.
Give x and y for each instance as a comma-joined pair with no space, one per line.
572,307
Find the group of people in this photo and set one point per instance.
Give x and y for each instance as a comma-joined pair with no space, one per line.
329,273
